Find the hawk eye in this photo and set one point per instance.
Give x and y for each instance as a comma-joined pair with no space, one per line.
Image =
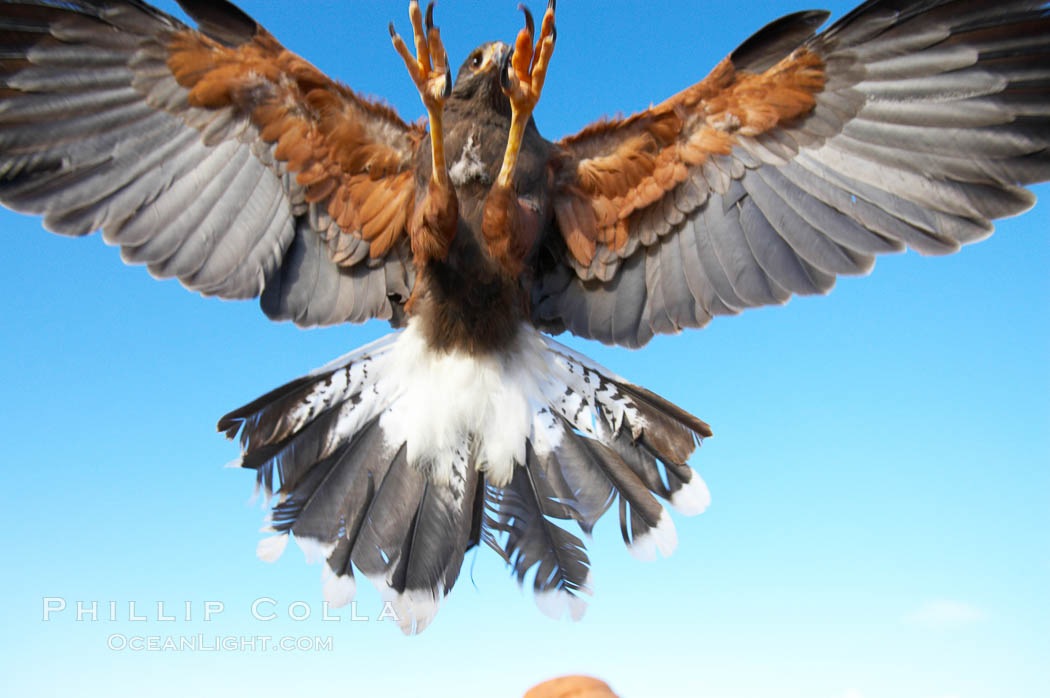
475,60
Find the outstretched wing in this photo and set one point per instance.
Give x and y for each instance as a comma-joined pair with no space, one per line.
213,156
797,159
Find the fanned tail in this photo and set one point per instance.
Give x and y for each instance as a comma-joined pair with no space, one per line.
359,488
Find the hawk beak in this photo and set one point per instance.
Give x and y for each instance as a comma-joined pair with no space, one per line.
495,55
499,50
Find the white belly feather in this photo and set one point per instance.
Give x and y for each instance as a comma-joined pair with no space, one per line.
445,404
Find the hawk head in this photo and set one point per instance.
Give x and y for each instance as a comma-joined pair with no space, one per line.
478,79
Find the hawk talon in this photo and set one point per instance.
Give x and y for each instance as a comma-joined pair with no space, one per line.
523,70
504,71
425,69
446,92
529,58
430,16
530,25
431,59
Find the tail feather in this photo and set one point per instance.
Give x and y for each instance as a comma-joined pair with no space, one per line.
389,519
263,412
638,423
343,495
285,462
289,507
530,539
431,561
642,462
671,432
414,538
477,516
644,523
674,482
395,461
283,412
567,476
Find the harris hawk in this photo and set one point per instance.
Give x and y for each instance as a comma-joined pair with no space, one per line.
219,158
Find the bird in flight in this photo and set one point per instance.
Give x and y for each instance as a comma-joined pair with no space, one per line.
217,157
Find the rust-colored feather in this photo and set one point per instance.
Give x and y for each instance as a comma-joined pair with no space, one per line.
578,225
320,189
338,144
620,168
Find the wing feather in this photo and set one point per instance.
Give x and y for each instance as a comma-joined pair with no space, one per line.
205,154
800,158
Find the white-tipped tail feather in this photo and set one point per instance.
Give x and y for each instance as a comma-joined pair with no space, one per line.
554,603
395,460
414,609
692,498
269,549
662,537
338,589
314,550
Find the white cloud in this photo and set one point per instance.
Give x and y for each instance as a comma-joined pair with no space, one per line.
946,613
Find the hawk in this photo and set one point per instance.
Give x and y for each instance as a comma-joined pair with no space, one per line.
215,156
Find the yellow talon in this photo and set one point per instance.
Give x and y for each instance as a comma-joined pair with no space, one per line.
430,72
522,82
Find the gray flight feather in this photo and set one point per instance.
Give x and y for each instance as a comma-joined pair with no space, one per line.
932,118
96,133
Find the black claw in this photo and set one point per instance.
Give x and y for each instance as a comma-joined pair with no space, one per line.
529,23
504,73
393,32
552,5
446,92
430,15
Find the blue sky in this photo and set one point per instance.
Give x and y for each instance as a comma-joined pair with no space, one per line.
880,468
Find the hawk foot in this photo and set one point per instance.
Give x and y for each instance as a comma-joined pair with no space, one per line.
522,74
430,72
429,67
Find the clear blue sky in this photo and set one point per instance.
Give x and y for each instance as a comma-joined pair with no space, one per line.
880,469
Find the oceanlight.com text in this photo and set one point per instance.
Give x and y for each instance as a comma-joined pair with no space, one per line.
119,642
